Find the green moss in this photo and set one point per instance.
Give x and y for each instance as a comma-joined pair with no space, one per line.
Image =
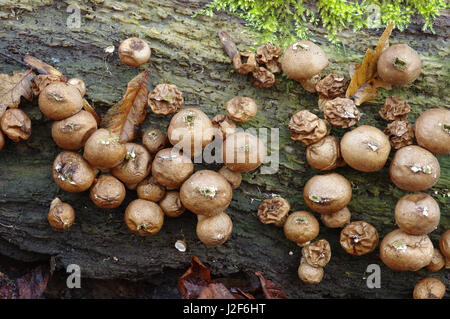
283,21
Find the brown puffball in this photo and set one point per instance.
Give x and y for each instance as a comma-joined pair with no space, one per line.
73,132
301,227
154,140
104,150
136,165
150,189
327,193
16,125
325,154
444,244
417,214
437,262
413,168
429,288
72,173
234,178
404,252
243,152
214,230
224,126
171,204
432,130
241,109
359,238
399,64
108,192
61,215
308,274
79,84
190,130
134,52
143,217
274,210
206,192
2,140
59,101
302,60
337,219
318,253
365,148
171,167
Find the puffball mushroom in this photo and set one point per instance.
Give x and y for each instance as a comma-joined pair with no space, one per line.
309,274
16,125
325,154
154,140
318,253
104,150
241,109
437,262
366,148
73,132
274,210
417,214
61,215
150,189
171,204
72,172
144,218
214,230
405,252
432,130
223,125
413,168
429,288
359,238
171,167
301,227
234,178
190,130
337,219
134,52
303,60
135,166
243,152
79,84
60,100
399,64
444,244
327,193
108,192
206,192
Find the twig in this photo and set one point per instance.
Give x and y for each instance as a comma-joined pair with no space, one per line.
228,44
10,57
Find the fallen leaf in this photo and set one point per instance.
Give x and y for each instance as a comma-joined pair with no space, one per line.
42,80
87,107
30,286
215,291
270,289
364,79
43,68
194,280
13,87
242,294
125,116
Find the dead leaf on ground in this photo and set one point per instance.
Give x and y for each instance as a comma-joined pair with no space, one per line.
194,280
30,286
364,78
215,291
125,116
43,80
43,68
13,87
270,289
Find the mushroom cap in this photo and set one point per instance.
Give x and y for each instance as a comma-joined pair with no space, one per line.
359,238
214,230
327,193
72,172
16,124
301,227
337,219
318,253
274,210
60,100
243,152
206,192
399,64
405,252
325,154
417,214
171,204
171,167
143,217
73,132
432,130
413,168
444,244
234,178
429,288
61,215
241,109
437,262
154,140
309,274
134,52
150,189
104,150
108,192
366,148
302,60
79,84
136,166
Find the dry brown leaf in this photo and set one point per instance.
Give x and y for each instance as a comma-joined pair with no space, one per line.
215,291
194,280
42,80
87,107
270,289
125,116
364,79
43,68
13,87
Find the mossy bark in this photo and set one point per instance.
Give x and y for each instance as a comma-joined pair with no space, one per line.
187,52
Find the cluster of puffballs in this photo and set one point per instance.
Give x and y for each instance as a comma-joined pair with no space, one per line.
160,169
365,148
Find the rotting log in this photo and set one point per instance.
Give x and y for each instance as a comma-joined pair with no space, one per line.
187,52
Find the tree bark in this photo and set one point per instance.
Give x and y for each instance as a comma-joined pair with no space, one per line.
187,52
